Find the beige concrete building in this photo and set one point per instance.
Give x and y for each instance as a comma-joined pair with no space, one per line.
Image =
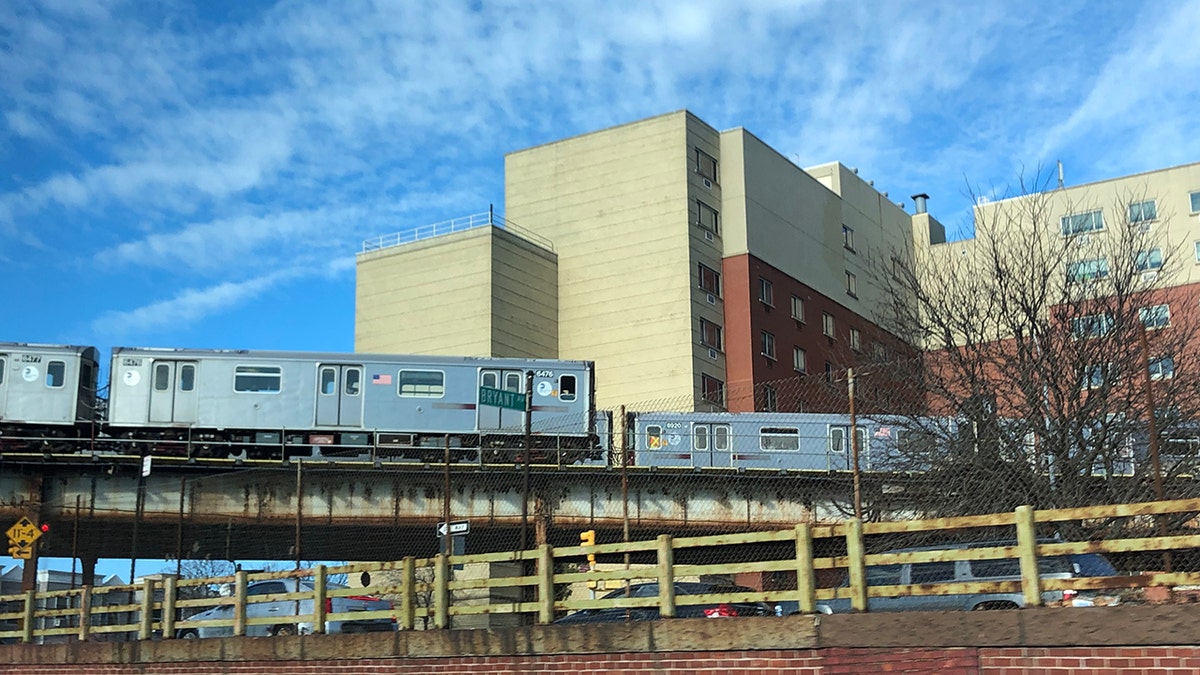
694,266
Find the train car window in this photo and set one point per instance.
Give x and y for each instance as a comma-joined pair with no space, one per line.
566,388
86,377
258,379
162,377
700,437
489,380
2,366
353,379
779,438
837,439
721,437
328,381
56,373
512,382
187,377
423,383
654,437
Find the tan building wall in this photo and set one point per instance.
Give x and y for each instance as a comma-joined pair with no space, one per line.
480,292
615,204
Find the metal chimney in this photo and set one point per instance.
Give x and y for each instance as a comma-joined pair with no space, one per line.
919,202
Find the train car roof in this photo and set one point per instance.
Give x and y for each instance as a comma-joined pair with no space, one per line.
74,349
480,361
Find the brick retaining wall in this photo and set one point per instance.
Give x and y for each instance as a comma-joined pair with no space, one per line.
1120,640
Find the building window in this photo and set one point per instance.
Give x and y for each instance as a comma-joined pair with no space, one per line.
828,372
1195,199
827,324
429,383
710,334
1091,325
768,345
1162,368
798,309
707,217
855,339
712,389
709,279
1078,223
258,379
799,360
1087,270
1157,316
851,284
1149,260
1094,376
706,165
770,399
848,238
1143,212
766,292
1198,251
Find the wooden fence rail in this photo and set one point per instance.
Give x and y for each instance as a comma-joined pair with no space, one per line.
427,590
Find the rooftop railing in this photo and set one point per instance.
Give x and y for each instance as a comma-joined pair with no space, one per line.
462,224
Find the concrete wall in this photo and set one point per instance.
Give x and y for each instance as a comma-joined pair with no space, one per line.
1122,640
481,292
615,204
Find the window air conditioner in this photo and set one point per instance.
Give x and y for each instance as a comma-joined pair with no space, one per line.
1151,275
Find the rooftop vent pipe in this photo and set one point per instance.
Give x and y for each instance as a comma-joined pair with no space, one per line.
919,202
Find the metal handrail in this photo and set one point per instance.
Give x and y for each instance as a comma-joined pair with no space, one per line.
461,224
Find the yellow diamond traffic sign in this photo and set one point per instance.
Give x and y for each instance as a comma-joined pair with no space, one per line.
24,533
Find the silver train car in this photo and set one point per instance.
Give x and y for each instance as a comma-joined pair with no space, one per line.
47,392
772,441
266,403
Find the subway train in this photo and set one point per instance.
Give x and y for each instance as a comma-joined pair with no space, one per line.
278,405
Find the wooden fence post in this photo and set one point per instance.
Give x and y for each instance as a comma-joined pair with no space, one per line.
170,590
806,582
85,613
239,603
545,583
408,593
146,625
857,566
441,591
27,623
319,595
1031,580
666,577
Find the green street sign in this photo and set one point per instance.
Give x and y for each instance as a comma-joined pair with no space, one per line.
513,400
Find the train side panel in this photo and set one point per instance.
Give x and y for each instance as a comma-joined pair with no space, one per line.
47,385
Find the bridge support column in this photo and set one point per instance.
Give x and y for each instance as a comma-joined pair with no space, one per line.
87,574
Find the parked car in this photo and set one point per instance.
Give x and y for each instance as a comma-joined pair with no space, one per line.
972,571
285,612
682,611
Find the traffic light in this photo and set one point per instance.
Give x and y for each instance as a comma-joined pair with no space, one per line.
588,538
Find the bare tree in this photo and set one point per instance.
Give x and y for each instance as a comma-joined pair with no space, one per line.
1037,337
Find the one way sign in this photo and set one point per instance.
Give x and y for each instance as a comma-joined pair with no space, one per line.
457,527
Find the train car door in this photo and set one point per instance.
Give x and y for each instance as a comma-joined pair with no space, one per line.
173,397
711,445
494,417
4,385
339,395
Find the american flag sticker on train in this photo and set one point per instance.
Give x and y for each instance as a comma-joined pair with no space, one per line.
381,379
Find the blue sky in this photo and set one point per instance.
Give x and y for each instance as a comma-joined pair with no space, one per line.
201,174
